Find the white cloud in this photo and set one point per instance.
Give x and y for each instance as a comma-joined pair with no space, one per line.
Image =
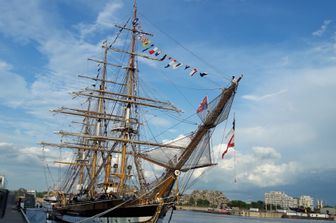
270,174
18,156
13,87
322,29
157,121
263,97
4,66
5,144
107,15
281,134
67,57
266,152
261,167
106,19
24,23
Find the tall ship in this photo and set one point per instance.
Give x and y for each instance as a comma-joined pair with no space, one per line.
107,178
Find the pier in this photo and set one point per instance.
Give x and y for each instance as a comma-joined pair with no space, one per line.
12,213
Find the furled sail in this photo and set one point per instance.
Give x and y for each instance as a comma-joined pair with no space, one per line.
168,157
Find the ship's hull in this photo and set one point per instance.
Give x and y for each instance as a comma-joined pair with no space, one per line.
73,219
124,213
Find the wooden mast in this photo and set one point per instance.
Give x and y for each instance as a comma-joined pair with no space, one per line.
131,84
81,152
101,109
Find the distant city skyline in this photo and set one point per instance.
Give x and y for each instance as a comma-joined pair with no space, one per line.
284,107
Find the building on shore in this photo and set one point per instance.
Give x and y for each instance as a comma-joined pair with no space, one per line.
279,199
306,202
214,199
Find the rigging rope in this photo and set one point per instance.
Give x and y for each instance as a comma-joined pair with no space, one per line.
120,30
161,133
172,82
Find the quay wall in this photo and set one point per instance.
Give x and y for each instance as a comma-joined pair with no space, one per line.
260,214
236,212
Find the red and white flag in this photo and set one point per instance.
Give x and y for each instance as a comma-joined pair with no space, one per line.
204,105
231,142
153,50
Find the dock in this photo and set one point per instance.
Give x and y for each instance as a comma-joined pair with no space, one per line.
12,213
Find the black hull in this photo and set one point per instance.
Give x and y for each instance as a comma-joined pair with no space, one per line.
89,209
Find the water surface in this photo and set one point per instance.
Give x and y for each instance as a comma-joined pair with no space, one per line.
37,216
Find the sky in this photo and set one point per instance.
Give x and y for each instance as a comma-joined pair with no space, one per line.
285,105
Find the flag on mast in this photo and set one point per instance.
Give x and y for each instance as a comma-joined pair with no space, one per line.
231,142
204,105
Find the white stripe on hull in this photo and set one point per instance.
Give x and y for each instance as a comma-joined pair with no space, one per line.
73,219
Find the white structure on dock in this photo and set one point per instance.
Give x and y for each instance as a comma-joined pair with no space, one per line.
2,182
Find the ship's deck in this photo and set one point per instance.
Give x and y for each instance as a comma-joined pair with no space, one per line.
12,213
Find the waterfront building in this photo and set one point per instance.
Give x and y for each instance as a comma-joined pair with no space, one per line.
280,199
306,202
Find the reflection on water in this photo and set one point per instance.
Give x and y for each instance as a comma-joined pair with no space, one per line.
39,216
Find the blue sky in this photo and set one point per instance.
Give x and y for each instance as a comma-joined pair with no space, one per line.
284,107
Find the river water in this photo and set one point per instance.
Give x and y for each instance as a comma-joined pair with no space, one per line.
200,217
36,216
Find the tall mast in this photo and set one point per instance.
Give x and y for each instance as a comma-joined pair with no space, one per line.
131,85
101,110
81,153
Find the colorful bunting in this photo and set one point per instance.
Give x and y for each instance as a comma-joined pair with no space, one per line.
144,39
144,50
156,52
163,58
193,71
171,63
140,37
146,43
177,65
153,50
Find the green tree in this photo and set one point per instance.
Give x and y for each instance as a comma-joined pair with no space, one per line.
259,204
41,194
202,203
191,201
239,204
